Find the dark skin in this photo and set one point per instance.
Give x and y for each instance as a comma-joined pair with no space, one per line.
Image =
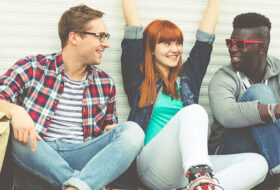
252,60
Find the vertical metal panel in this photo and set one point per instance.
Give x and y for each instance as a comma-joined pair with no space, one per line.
30,27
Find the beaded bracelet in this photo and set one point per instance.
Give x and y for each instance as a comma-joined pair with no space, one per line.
271,109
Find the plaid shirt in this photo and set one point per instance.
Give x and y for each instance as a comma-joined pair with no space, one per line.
37,82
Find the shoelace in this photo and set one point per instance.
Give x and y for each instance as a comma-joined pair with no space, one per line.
209,186
201,178
205,186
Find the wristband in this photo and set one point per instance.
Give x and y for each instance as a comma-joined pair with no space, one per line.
271,108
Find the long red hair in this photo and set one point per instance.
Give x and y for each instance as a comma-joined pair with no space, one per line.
158,31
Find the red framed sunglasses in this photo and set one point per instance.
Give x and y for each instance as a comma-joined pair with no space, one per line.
239,43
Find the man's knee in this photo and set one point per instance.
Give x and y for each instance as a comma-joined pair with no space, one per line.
133,134
260,92
20,150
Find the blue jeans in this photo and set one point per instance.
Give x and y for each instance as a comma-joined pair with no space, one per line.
88,165
261,138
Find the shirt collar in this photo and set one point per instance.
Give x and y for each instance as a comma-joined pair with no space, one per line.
272,67
246,81
59,65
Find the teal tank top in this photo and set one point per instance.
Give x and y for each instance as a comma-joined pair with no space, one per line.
164,109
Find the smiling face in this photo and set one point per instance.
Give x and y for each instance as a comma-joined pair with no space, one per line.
89,47
167,55
247,59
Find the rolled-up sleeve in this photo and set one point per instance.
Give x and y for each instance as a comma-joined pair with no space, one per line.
205,37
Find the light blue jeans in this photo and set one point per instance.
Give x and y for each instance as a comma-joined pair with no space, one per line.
87,166
261,138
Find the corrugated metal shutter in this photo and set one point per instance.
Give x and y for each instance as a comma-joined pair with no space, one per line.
30,27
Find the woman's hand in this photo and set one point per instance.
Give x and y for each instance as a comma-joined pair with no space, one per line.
130,13
210,17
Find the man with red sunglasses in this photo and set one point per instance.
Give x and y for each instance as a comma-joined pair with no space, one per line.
244,96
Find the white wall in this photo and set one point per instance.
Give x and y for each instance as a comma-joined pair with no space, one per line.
29,27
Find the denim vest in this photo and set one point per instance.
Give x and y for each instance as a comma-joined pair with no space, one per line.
189,80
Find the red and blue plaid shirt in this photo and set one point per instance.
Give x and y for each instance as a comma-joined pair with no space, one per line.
37,82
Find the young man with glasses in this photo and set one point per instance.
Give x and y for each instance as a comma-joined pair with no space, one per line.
244,96
63,110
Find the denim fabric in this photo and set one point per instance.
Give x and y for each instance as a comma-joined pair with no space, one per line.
225,89
88,165
189,81
190,77
262,138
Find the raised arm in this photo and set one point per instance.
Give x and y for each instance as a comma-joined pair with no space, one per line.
210,17
130,13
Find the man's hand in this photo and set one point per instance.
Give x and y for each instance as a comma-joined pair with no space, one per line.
108,127
24,128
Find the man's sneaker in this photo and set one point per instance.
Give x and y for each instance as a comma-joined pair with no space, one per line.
200,178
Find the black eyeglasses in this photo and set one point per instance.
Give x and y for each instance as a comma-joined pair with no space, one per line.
240,44
101,36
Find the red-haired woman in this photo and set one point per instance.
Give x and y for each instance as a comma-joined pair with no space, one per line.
163,95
